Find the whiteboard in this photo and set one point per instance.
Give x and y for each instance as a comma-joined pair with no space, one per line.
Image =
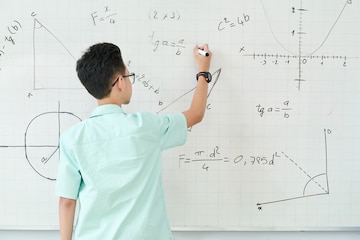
277,149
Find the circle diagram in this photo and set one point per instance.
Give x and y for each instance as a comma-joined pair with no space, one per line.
42,141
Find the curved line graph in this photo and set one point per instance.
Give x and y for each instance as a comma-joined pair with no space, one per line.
300,11
300,56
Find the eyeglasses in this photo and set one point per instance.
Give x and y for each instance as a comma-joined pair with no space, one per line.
131,77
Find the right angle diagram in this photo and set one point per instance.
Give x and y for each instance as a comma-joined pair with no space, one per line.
314,184
301,30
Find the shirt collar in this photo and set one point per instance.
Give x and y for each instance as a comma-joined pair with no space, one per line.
106,109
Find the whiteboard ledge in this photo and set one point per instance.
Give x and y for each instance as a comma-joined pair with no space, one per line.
212,229
29,227
268,229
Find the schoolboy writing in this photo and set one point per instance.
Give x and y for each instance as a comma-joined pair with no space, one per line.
110,163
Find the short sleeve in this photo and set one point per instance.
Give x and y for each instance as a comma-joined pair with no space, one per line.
69,178
173,130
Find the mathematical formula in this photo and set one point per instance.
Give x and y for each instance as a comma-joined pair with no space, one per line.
10,36
284,109
147,83
215,155
233,22
104,15
177,45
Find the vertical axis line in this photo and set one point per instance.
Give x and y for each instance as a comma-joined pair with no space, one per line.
300,44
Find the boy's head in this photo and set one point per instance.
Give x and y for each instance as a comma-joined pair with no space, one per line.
97,68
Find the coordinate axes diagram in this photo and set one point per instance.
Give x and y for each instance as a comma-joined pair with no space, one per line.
306,38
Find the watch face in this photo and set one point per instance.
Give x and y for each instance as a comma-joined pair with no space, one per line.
207,76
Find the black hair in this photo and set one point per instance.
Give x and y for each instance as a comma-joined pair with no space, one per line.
97,66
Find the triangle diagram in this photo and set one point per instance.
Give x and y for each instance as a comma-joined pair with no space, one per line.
215,79
54,65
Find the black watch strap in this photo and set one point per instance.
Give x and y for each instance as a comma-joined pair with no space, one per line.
207,76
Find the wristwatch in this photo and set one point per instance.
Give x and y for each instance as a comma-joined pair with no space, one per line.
207,76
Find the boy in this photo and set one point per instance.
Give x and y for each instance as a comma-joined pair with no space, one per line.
111,162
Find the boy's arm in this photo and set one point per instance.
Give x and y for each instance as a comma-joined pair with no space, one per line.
197,108
66,212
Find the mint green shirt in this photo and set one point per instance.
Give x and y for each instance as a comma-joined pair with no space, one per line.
111,163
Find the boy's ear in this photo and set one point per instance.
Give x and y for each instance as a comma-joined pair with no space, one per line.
119,82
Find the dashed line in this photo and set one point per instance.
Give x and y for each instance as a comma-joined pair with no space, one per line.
304,171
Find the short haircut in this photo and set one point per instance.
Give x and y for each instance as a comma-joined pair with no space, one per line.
97,67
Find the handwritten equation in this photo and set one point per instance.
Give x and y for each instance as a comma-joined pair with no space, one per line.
284,109
9,37
177,45
146,82
233,22
104,15
215,155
